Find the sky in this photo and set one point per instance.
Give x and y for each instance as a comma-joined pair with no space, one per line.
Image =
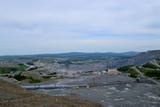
57,26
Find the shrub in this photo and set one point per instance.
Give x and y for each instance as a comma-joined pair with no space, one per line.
20,77
31,79
5,70
125,68
133,73
130,70
151,72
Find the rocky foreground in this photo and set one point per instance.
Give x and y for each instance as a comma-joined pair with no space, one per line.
14,96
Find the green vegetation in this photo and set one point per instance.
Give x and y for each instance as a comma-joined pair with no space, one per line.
125,68
133,73
20,77
149,69
29,78
21,67
128,69
151,72
6,70
18,67
150,65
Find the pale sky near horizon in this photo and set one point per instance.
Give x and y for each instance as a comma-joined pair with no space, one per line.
51,26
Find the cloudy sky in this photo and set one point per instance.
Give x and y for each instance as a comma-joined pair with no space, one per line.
51,26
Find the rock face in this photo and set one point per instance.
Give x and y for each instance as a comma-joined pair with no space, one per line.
113,72
139,59
144,57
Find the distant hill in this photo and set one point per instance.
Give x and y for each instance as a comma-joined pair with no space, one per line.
94,60
144,57
78,55
131,53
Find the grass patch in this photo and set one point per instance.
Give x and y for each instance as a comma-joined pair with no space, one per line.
150,72
132,73
6,70
150,65
18,67
21,67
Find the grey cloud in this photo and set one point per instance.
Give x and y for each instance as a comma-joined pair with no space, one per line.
67,21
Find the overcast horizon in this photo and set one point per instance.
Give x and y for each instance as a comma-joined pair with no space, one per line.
51,53
60,26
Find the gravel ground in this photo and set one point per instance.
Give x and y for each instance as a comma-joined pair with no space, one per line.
116,95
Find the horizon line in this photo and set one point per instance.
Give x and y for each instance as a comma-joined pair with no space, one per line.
55,53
